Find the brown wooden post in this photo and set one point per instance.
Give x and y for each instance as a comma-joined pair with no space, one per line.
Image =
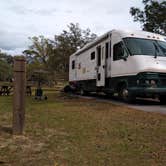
19,95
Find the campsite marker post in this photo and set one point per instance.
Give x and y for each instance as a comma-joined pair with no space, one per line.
19,95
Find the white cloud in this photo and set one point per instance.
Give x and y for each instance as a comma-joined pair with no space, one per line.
21,19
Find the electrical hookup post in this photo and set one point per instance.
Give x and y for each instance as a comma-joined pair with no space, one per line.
19,95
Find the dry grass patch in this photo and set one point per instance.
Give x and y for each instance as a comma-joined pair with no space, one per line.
67,130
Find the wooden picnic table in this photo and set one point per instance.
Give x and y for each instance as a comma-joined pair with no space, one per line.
28,90
6,90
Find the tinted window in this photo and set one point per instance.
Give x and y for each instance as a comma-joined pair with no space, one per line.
106,50
118,51
73,64
99,56
99,76
102,52
138,46
162,46
92,55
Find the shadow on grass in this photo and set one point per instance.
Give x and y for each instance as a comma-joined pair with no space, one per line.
2,162
6,129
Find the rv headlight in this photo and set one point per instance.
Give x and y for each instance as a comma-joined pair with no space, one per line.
153,82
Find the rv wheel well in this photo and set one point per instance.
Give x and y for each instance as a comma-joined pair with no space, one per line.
120,85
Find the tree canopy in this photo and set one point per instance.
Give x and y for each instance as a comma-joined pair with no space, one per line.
68,42
40,49
53,55
152,17
6,62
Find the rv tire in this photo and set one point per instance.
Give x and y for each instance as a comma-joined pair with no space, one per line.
82,92
125,95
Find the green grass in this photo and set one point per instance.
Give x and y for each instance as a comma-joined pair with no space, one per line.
70,131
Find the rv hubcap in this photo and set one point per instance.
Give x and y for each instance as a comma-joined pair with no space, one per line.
81,92
125,93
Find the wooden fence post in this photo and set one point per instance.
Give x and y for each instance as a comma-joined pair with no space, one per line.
19,95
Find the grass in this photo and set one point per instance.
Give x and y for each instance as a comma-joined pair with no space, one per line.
68,131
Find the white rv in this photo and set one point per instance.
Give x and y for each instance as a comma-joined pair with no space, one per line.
130,63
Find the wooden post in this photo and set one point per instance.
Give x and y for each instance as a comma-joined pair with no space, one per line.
19,95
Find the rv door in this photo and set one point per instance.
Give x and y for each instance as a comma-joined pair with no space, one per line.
100,79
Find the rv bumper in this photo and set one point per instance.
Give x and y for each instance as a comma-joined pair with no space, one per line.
148,91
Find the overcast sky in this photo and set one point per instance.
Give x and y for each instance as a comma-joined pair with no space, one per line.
20,19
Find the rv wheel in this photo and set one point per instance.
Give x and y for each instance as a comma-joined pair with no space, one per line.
125,95
83,92
162,99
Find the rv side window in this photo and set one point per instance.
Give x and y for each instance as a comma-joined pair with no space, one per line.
99,56
73,64
106,50
118,51
92,55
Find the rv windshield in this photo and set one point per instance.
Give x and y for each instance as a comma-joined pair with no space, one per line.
138,46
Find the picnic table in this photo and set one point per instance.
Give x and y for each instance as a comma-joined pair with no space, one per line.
28,90
6,90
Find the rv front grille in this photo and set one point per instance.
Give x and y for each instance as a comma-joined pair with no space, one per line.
162,78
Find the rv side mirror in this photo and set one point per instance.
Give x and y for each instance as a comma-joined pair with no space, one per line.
125,55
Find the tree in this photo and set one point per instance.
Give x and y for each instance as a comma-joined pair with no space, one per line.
5,71
7,58
53,55
40,49
6,62
153,17
68,42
